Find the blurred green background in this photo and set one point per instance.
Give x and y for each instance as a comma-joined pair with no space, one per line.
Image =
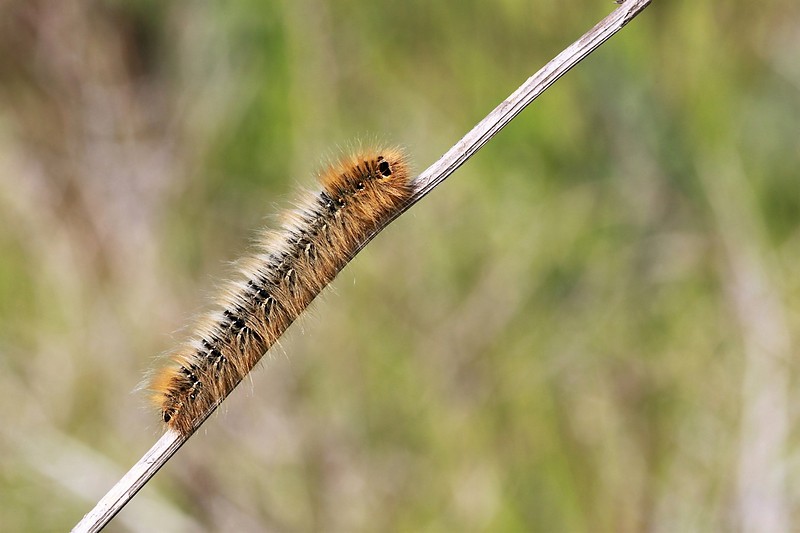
591,326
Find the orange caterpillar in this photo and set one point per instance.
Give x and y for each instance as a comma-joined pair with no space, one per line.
293,265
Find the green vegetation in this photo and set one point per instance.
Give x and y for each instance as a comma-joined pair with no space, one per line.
592,326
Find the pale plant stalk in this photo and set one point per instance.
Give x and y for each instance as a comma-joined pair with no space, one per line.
752,285
473,141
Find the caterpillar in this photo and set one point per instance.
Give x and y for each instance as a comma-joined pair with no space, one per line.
274,285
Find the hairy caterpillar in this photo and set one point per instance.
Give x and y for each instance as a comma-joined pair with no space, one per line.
274,286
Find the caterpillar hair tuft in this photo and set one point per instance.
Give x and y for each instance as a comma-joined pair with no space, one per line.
289,268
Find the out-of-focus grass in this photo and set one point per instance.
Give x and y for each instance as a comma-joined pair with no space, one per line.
592,326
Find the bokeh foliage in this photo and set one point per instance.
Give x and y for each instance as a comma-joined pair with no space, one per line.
592,326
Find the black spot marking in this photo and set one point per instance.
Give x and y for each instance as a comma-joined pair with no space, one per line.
327,202
258,292
235,322
385,169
